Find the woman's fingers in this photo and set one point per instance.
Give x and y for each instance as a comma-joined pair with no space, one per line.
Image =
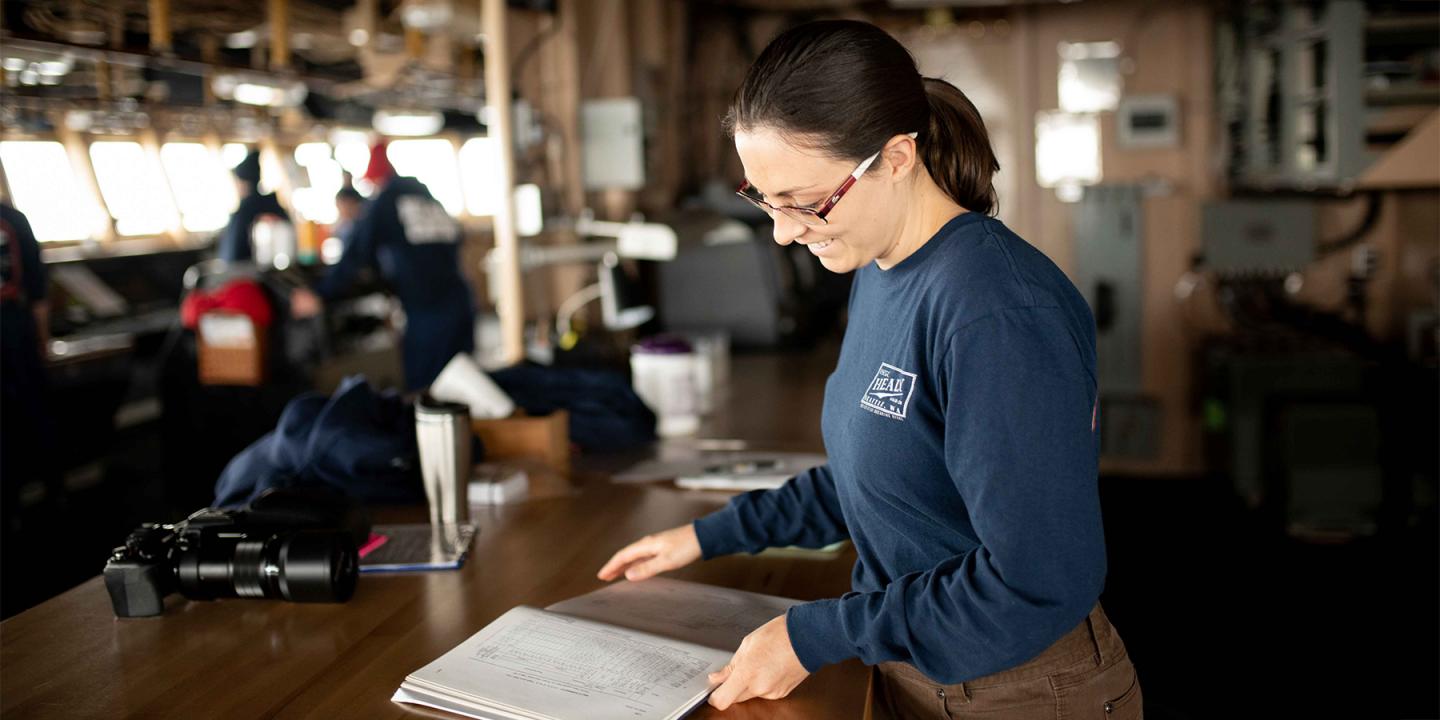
642,570
628,555
719,676
731,691
653,554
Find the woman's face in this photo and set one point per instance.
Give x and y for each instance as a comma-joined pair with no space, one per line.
863,227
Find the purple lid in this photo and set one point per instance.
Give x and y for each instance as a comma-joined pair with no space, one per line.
663,345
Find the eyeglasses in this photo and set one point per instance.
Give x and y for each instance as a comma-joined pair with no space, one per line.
805,215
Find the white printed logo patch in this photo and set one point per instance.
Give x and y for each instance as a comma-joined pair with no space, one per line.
425,221
889,392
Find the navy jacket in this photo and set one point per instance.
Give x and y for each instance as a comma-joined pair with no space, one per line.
415,244
960,427
234,244
605,413
23,281
358,442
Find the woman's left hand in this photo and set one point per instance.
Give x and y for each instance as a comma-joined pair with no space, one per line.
765,666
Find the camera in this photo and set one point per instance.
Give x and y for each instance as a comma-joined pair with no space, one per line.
293,545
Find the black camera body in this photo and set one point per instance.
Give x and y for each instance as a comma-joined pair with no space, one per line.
293,545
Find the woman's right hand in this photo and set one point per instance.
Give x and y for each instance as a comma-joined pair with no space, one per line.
654,554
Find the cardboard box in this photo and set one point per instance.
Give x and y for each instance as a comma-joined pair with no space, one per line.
230,350
545,439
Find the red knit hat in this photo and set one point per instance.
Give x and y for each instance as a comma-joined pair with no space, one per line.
379,170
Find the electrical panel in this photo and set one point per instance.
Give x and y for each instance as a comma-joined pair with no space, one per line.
1108,240
1107,260
613,142
1311,93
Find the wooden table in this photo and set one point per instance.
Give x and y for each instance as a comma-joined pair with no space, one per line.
71,658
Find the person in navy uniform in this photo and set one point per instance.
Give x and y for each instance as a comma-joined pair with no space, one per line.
959,422
24,335
235,241
415,244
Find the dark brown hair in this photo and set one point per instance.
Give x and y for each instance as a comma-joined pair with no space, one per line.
847,87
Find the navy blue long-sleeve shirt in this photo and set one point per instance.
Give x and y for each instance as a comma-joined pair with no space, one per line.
405,233
234,244
960,428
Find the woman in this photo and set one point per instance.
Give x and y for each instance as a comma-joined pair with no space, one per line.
959,421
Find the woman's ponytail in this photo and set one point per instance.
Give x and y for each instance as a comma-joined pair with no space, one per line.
847,87
956,148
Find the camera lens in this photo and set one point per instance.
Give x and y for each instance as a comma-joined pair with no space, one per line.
316,567
306,566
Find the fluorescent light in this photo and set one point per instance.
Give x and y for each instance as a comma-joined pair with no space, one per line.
55,68
257,94
259,90
241,40
408,123
425,15
529,217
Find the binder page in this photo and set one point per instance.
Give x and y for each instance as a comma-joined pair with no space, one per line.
706,615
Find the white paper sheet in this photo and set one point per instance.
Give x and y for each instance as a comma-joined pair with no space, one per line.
564,667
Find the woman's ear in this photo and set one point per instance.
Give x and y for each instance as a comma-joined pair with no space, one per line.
901,156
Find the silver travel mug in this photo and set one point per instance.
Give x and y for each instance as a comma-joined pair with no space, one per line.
442,430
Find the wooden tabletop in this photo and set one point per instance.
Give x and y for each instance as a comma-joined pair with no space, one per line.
72,658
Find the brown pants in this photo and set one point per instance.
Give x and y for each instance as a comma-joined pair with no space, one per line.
1085,675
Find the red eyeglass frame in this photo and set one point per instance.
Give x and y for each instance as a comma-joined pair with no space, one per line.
803,214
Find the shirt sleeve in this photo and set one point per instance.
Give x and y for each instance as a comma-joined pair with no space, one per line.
234,244
358,253
34,273
805,511
1020,449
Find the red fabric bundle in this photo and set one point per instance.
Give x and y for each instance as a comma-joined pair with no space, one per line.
238,296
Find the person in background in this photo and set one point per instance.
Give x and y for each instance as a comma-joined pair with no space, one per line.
235,240
24,337
959,421
405,233
348,205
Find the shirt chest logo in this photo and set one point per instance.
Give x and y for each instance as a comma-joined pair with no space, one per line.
889,393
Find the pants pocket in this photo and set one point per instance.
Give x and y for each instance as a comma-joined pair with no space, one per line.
1110,693
1032,699
1129,705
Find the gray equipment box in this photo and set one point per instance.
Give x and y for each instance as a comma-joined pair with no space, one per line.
1258,236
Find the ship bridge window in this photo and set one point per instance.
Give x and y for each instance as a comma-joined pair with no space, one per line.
316,201
133,188
201,185
431,161
43,185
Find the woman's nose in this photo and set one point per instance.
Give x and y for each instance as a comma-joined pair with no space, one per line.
787,229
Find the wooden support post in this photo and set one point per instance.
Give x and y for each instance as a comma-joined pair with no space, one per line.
507,245
414,44
278,15
210,53
160,26
116,27
102,80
